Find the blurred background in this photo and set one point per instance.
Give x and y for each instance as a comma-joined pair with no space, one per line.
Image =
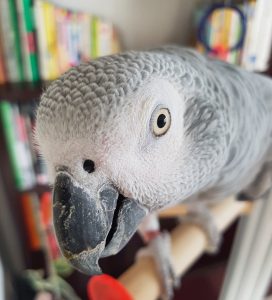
39,40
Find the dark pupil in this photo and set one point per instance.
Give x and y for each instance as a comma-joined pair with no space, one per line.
88,166
161,121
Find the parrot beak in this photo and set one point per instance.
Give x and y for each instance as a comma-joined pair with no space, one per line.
88,228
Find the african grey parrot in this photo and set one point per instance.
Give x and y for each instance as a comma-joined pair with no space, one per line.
128,134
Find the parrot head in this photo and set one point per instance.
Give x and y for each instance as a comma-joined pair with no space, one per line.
113,135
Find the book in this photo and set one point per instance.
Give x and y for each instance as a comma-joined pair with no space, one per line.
105,37
85,38
29,49
11,48
28,167
18,145
260,40
249,11
3,74
28,113
47,224
22,147
37,215
62,20
47,39
94,37
41,39
73,36
30,208
6,114
116,47
23,40
51,40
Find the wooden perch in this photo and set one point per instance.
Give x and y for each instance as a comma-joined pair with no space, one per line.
172,212
188,244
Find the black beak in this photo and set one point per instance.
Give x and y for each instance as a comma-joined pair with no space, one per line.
89,227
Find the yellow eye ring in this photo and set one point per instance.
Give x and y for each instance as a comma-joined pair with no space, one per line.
161,121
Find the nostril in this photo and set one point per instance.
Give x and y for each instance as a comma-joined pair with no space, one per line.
89,166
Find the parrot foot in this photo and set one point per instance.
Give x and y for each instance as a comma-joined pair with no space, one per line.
199,215
160,250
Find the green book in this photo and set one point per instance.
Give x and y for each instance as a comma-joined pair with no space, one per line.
94,37
32,45
6,115
27,30
15,28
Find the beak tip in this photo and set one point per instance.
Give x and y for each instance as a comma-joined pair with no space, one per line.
87,260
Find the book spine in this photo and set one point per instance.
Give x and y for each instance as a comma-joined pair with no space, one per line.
116,47
6,114
94,37
23,150
62,38
30,207
51,40
264,38
70,38
105,38
17,39
74,38
77,38
3,74
85,42
37,162
29,37
41,39
248,10
47,222
11,47
23,45
73,35
3,78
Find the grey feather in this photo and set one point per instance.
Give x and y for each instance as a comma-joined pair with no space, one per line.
227,118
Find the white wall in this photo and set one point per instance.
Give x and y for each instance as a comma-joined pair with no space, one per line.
143,23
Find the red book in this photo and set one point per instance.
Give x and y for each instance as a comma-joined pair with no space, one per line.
47,222
3,74
29,212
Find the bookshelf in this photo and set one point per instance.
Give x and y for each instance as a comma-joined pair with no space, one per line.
21,92
12,94
7,176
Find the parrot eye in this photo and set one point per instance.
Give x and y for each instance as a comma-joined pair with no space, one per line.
161,121
88,166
